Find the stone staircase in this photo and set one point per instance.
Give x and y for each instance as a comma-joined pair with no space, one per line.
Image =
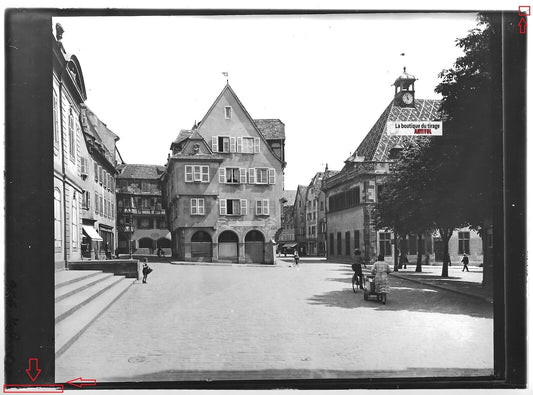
80,297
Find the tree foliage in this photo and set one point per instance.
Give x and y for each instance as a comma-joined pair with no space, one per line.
446,182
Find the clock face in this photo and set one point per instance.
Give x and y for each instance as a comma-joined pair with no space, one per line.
407,98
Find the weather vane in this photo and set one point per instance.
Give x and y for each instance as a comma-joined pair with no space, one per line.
225,74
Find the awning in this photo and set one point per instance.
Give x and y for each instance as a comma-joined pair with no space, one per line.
91,232
168,236
289,245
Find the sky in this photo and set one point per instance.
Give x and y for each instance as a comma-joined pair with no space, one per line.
328,78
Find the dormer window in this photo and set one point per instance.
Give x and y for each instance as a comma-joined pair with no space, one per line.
227,112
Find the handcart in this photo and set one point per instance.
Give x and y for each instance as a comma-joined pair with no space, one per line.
370,289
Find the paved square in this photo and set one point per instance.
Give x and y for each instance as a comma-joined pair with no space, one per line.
199,322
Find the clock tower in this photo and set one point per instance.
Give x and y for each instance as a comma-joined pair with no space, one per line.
404,86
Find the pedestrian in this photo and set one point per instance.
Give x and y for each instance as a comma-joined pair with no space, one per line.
296,258
356,267
107,251
381,270
146,270
464,261
405,261
426,259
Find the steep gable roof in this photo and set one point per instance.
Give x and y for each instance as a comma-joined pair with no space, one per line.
145,172
377,143
272,129
228,88
289,196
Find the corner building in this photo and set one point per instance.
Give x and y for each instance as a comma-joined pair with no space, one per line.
223,186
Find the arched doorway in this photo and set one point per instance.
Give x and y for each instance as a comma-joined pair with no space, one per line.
254,247
228,247
201,246
146,246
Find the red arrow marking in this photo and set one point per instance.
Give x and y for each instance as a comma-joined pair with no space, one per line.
79,382
522,24
29,370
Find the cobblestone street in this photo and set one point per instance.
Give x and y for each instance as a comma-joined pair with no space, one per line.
198,322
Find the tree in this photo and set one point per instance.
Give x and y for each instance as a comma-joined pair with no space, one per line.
472,98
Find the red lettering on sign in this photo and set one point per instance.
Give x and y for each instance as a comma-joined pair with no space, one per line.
422,131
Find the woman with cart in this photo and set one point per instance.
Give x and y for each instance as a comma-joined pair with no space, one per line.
381,270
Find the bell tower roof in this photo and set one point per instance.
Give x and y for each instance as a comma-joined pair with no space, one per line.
404,79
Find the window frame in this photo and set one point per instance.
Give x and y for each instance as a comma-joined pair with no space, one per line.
197,206
227,112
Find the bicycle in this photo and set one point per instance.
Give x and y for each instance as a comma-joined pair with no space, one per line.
355,282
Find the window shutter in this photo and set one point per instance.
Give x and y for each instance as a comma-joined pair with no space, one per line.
232,144
239,144
205,173
88,200
256,145
83,165
96,202
266,208
201,206
251,176
222,206
222,175
271,176
188,174
194,207
244,207
95,171
242,175
258,207
214,143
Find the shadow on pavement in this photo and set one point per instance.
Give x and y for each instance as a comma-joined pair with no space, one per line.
357,379
404,297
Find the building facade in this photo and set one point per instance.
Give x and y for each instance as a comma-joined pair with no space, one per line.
68,92
300,222
353,192
98,171
141,221
315,214
287,240
223,186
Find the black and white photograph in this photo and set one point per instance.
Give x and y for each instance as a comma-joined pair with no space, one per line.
303,199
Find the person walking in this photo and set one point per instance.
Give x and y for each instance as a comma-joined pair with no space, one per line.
296,258
381,270
146,271
356,267
464,261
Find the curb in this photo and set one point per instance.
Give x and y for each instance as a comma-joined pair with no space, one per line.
473,295
224,264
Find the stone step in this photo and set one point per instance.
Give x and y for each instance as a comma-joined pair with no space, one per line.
67,277
72,303
79,285
69,329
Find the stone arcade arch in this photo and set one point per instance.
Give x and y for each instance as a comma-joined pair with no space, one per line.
254,247
228,247
201,246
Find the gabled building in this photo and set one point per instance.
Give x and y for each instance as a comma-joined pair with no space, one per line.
223,185
352,193
68,92
99,161
141,220
286,240
315,214
300,223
